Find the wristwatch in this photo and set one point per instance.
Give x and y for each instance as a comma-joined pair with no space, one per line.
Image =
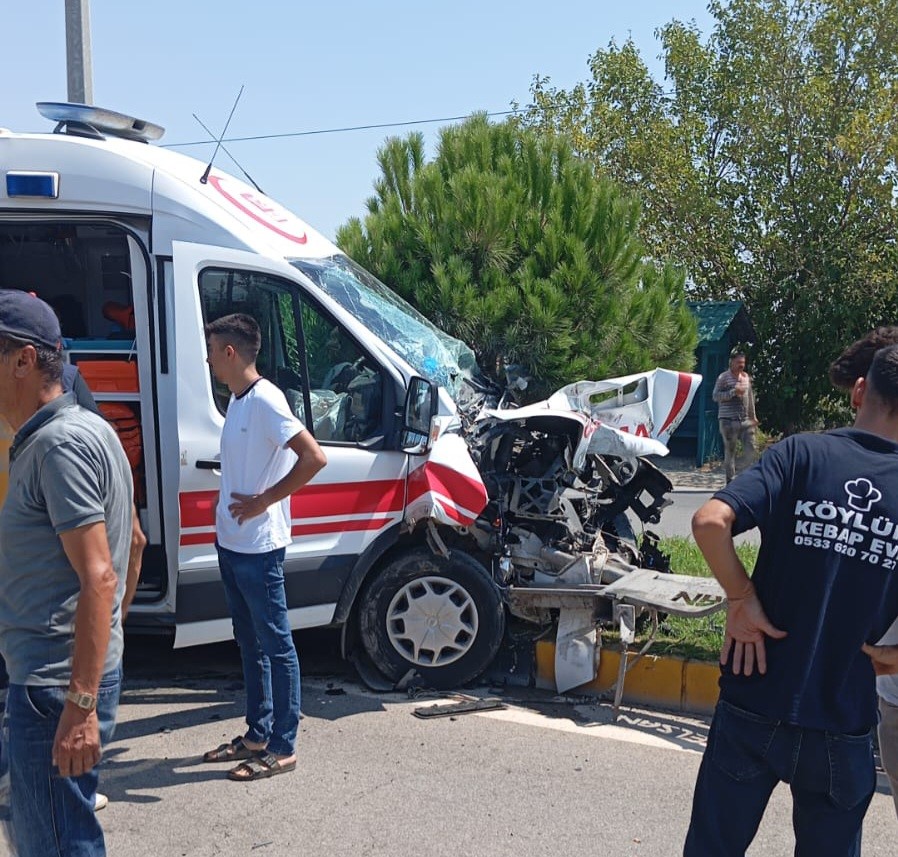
84,701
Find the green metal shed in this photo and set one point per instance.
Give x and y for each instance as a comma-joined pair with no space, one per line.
722,325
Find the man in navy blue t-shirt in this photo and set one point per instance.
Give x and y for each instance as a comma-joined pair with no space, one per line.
797,694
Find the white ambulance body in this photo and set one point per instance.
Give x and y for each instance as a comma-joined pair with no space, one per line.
101,226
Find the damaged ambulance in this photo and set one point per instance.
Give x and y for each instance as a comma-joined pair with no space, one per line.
443,510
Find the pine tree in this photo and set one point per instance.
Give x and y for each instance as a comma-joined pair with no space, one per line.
509,242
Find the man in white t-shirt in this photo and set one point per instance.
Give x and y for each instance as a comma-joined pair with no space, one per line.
266,455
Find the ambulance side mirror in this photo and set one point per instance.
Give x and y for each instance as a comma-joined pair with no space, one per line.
421,402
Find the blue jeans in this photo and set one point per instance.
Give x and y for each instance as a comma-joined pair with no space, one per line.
53,816
254,587
831,775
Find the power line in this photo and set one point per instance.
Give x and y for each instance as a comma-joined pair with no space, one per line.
335,130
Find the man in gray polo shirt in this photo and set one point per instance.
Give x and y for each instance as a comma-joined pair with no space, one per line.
65,537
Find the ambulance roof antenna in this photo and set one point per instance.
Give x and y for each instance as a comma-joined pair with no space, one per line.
205,176
249,178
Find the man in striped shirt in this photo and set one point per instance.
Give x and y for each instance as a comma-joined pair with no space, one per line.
735,399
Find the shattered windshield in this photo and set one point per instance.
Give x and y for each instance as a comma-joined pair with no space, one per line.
434,354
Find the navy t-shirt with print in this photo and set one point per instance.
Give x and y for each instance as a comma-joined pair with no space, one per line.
827,574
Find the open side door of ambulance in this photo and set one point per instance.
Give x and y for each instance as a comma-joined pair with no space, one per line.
96,272
335,384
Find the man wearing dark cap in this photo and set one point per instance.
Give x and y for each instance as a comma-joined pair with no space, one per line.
65,537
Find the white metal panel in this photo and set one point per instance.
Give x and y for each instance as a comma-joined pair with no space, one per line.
356,497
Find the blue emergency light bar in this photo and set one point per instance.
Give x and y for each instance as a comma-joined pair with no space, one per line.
45,185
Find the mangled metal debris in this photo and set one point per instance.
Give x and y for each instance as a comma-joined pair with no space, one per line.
550,501
566,479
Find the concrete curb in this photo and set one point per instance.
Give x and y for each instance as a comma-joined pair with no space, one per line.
677,684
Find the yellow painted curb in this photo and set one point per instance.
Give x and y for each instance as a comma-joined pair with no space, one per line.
678,684
700,690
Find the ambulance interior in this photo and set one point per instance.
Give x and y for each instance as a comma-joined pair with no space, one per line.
77,268
83,271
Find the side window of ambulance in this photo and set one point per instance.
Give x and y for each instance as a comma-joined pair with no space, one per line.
345,387
271,303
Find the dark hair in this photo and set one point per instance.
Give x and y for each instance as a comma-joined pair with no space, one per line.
883,377
239,330
854,362
49,360
737,352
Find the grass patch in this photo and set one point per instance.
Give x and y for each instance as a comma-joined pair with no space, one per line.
699,638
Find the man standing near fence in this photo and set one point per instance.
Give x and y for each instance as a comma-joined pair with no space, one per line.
735,397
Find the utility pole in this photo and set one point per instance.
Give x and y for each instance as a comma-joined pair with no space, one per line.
77,51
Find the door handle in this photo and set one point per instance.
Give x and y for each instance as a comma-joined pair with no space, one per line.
208,464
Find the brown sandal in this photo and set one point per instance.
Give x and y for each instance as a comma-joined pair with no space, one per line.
260,767
233,752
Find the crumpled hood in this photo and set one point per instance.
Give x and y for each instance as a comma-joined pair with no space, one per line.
630,416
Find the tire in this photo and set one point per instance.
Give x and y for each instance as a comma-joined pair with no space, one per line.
442,618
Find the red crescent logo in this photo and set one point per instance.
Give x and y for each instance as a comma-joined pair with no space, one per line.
265,211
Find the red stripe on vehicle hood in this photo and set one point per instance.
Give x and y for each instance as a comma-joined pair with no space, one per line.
684,385
470,494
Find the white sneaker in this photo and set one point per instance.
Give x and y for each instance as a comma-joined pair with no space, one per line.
100,801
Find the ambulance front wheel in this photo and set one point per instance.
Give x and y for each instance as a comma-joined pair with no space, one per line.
442,618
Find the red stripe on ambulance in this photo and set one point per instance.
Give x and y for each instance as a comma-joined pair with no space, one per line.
374,497
318,529
684,385
464,492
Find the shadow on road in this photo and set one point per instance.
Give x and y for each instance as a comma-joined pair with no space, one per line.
184,688
169,772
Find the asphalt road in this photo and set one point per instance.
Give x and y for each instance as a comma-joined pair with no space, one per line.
676,519
547,775
544,776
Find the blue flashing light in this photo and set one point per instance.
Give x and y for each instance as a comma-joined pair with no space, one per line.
32,184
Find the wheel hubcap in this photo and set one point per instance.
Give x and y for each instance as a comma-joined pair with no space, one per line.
432,621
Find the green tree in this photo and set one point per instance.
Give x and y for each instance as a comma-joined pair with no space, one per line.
508,241
766,162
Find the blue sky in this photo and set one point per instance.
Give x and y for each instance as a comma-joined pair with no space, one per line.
310,66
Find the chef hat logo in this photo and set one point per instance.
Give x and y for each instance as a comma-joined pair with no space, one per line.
861,494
